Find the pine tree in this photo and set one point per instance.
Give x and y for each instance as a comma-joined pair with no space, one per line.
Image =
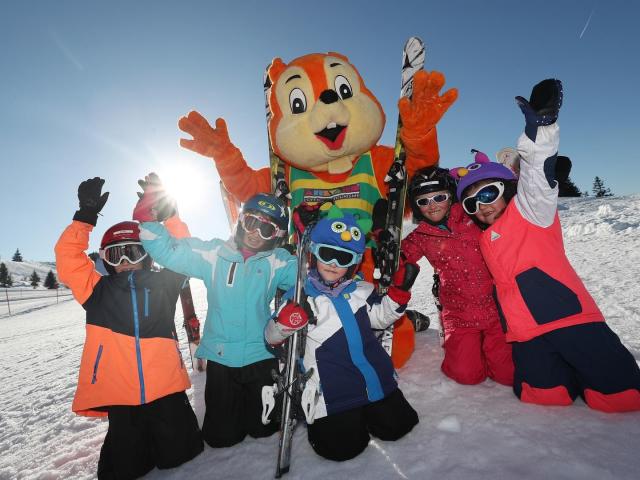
10,281
17,257
599,190
568,189
4,275
35,279
51,282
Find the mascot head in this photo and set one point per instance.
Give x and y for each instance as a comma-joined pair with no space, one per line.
323,116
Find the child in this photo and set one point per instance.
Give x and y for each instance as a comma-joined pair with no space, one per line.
561,345
474,343
241,276
353,378
131,368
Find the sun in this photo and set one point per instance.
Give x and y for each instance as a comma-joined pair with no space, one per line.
184,183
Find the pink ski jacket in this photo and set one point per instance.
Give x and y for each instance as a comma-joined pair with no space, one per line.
466,286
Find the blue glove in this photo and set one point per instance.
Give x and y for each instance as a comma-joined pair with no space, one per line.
543,105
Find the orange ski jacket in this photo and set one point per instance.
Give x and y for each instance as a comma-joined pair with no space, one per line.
131,354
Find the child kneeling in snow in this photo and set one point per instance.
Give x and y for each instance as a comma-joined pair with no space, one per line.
561,345
131,368
356,393
474,344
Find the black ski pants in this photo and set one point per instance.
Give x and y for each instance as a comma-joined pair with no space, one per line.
345,435
163,434
233,399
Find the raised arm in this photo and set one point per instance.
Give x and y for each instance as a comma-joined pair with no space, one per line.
537,197
75,268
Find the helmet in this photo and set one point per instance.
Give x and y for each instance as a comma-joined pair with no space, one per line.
269,207
481,169
427,180
339,239
121,232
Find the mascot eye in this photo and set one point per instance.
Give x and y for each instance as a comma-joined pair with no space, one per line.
338,227
343,87
474,166
297,101
355,233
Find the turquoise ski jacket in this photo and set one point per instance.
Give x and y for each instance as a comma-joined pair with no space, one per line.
239,292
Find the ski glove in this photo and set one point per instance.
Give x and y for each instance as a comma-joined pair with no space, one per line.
543,105
292,317
403,280
91,200
154,204
304,215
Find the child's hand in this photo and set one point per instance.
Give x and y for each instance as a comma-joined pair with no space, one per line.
154,204
208,141
403,280
91,200
544,104
293,317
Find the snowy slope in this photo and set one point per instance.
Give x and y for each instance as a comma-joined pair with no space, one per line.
21,271
465,432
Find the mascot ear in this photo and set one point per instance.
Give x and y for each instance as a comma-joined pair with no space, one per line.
480,157
339,55
276,69
335,212
365,224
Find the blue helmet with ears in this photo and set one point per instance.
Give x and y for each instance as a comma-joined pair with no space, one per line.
270,206
341,230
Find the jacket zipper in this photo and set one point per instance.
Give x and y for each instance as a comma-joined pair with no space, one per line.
136,326
94,377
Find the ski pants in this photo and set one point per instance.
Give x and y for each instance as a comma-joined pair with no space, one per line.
163,434
233,399
587,360
345,435
473,354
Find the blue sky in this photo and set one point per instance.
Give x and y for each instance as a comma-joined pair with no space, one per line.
96,89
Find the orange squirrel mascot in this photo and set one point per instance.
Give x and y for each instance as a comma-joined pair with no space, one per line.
325,125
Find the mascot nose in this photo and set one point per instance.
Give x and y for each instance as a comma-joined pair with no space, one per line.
329,96
345,236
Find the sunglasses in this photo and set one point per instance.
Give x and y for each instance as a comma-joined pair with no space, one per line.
265,227
330,254
439,198
132,252
487,195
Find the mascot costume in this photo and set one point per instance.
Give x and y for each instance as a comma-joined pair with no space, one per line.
325,126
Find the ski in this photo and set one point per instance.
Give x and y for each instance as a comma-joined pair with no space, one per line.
191,324
232,206
387,254
291,382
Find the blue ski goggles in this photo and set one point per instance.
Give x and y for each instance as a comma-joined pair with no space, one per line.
487,195
332,255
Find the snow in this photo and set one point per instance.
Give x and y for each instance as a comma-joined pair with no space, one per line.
479,432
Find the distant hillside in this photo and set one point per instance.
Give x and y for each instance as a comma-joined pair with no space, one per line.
21,271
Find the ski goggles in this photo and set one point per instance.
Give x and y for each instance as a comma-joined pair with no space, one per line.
332,255
132,252
439,198
487,195
267,229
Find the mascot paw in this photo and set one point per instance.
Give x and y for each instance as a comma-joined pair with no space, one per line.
423,111
208,141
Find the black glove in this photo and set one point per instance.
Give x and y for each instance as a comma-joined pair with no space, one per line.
543,105
305,215
563,168
164,205
91,200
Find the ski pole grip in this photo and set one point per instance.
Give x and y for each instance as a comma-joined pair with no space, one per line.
410,275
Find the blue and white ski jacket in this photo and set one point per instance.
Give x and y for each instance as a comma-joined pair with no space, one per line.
350,367
239,292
